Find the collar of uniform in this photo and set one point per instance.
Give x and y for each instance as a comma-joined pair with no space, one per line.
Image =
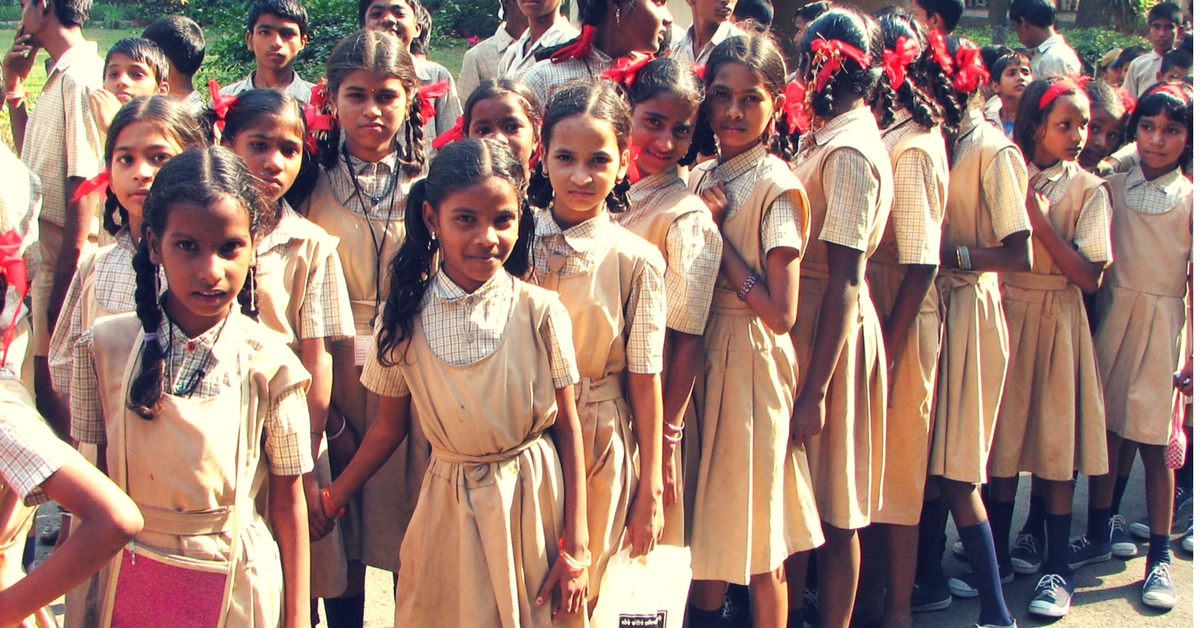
740,165
1166,182
125,240
836,126
74,54
1053,173
445,289
1050,42
974,118
284,231
363,167
248,82
561,26
724,31
581,237
650,184
172,338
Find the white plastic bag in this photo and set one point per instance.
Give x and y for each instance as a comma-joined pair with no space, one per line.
645,592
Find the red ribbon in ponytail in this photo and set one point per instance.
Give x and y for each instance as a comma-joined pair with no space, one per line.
626,69
98,183
1056,89
795,107
578,49
453,135
220,104
896,62
634,173
937,45
12,267
429,93
831,55
970,72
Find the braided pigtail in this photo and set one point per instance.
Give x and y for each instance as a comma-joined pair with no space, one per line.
146,389
949,101
823,101
540,193
883,104
113,210
704,141
517,263
618,199
409,275
783,144
248,296
412,153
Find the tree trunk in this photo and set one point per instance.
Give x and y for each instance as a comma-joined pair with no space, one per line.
1119,15
998,20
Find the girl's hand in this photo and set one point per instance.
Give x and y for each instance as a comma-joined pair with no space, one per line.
1037,205
318,524
714,197
670,475
808,419
645,524
342,448
571,593
1183,379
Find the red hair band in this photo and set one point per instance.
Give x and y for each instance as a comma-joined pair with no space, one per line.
896,62
428,93
453,135
831,55
937,45
98,183
970,71
795,107
1056,89
1171,89
578,49
12,267
626,69
220,104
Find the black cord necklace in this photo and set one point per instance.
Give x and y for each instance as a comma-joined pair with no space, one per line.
378,243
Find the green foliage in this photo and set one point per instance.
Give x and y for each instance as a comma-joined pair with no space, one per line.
1089,43
453,19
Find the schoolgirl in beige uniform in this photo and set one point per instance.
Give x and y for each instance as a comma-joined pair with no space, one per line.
666,97
359,199
611,282
754,504
184,420
488,362
841,404
1051,419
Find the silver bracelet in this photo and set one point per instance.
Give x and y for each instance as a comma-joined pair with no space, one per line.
964,258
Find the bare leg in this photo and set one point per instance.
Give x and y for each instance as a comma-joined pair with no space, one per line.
707,595
1160,488
796,567
839,564
769,597
901,573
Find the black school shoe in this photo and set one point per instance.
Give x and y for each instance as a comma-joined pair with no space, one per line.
927,598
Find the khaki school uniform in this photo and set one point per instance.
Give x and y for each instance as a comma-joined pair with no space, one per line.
484,535
1141,339
1051,420
913,236
754,499
234,405
666,214
989,180
611,282
375,522
848,175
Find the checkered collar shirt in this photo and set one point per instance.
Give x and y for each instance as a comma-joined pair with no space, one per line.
732,173
1158,196
299,88
515,62
579,247
374,179
683,49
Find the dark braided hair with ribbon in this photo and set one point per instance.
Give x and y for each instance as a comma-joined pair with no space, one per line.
841,55
905,43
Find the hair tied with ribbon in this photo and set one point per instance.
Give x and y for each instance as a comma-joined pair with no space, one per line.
830,56
795,107
896,62
1127,100
220,104
634,174
453,135
98,183
315,118
937,46
429,93
12,267
970,72
699,69
625,69
1057,88
1170,89
578,49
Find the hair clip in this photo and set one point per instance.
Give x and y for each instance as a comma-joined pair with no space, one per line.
426,94
625,69
937,45
453,135
1056,89
220,104
795,107
831,55
970,71
12,268
578,49
896,62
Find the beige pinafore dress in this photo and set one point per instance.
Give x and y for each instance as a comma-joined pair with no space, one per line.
910,396
847,457
375,522
595,299
15,517
653,227
180,468
1141,339
754,498
282,282
974,357
485,531
1051,420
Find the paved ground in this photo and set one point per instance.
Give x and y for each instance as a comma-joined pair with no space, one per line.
1106,595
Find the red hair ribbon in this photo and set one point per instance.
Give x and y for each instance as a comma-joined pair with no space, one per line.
12,267
1127,99
314,117
970,70
626,69
578,49
699,69
896,62
795,107
937,44
1056,89
635,173
220,104
1171,89
429,93
831,55
453,135
98,183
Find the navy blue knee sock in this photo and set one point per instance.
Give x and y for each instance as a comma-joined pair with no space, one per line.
981,554
1000,516
1098,530
1160,550
1058,544
1035,524
1119,492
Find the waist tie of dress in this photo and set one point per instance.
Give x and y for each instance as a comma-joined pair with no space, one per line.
474,469
215,521
591,390
1049,285
953,279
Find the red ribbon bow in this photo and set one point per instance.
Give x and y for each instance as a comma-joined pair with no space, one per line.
314,118
831,55
625,69
635,173
896,62
1127,100
578,49
795,107
699,69
427,94
220,104
12,267
1056,89
1170,89
98,183
453,135
937,44
970,70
